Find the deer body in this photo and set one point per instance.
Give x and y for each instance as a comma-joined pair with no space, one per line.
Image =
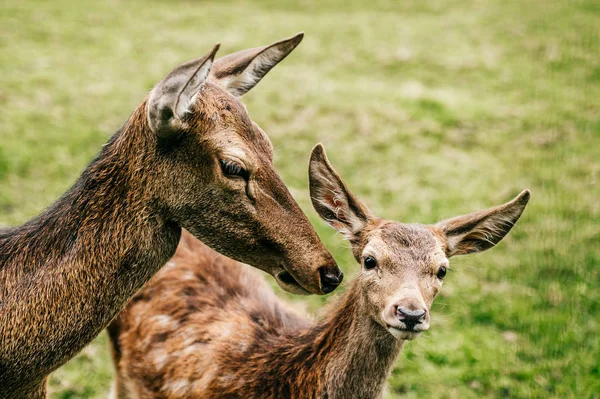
218,331
199,331
189,156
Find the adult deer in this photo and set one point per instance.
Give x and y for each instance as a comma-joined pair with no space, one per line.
199,331
188,157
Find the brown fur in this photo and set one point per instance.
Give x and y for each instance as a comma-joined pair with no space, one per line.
215,326
66,273
208,327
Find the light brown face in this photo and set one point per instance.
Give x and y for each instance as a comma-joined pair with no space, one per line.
403,265
216,176
402,271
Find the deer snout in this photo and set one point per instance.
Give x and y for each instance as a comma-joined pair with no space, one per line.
410,317
406,318
331,277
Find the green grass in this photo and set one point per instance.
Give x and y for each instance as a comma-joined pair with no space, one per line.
427,109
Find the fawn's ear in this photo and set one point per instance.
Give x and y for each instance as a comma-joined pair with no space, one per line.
173,96
239,72
332,200
482,230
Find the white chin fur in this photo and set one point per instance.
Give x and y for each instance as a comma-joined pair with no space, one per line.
405,335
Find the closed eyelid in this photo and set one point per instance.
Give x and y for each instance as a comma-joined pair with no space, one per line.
238,156
233,147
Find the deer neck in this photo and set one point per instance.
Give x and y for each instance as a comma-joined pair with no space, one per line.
345,355
361,352
70,270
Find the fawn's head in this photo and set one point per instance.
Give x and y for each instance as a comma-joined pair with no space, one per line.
215,174
403,265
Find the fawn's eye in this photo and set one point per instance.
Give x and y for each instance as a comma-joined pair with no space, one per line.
370,263
231,168
441,272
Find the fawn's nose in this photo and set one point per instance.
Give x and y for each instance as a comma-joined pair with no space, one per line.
331,277
410,317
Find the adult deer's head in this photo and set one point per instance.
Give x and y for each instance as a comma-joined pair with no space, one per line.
215,174
403,265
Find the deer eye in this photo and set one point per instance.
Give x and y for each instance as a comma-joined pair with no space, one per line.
370,263
441,272
231,168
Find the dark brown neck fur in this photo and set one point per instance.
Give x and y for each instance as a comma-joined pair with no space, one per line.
66,273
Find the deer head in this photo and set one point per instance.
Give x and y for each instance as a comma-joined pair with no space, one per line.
214,172
403,265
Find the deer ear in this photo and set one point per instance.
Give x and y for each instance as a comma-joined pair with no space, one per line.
332,200
239,72
482,230
173,96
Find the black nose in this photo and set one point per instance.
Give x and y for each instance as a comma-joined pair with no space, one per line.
330,278
410,317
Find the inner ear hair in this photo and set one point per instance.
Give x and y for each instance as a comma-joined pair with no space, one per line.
241,71
173,97
479,231
332,200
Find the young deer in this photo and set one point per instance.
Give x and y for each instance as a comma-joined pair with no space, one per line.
197,330
188,157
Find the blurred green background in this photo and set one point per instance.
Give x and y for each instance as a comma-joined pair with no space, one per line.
428,109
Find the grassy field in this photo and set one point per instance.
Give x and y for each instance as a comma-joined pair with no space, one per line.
427,109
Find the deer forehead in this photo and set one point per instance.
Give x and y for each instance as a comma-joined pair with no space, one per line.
262,142
217,105
236,133
403,246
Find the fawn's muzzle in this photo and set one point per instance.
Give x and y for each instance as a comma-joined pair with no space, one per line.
410,317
